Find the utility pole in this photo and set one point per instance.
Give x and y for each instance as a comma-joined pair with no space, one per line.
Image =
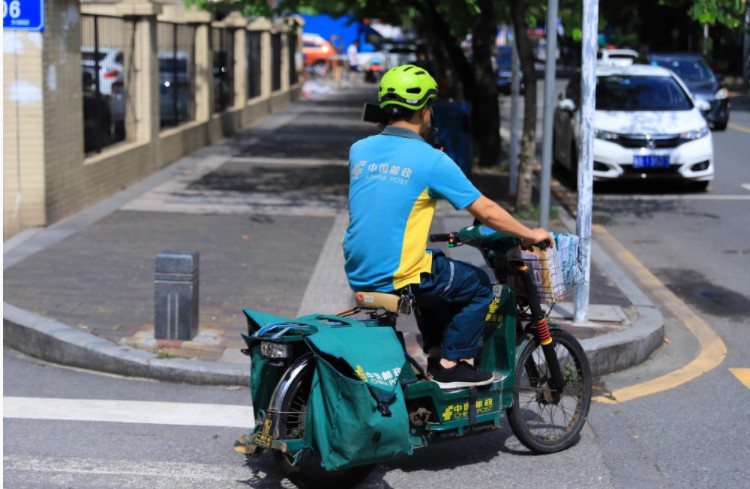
586,162
549,101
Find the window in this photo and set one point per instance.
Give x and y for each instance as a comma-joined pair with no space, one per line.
640,93
253,64
176,73
105,98
222,45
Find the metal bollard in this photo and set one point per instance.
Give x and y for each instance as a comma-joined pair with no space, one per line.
176,295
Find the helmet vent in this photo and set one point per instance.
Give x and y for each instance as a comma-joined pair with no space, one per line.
413,90
420,73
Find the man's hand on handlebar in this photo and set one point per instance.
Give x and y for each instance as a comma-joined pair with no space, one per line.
537,236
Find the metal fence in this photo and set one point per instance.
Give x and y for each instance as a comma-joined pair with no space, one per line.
252,48
275,62
176,45
293,76
222,46
103,68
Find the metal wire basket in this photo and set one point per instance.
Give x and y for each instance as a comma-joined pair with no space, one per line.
556,272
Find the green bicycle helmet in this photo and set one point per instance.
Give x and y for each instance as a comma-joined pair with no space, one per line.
406,86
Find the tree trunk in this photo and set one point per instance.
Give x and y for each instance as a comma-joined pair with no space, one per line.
527,158
477,78
485,116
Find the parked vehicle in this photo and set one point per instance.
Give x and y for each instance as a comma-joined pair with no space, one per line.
111,66
617,57
505,71
397,53
695,72
647,126
317,53
334,395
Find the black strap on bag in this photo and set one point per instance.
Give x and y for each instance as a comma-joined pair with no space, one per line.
384,400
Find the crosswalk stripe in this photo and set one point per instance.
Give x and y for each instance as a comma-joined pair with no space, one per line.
131,473
120,411
742,374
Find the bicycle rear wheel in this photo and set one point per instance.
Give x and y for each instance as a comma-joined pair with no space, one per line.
543,419
307,471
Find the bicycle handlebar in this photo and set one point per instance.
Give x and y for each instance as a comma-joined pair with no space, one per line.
435,238
453,238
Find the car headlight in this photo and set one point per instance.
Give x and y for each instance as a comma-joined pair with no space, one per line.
721,94
694,134
606,135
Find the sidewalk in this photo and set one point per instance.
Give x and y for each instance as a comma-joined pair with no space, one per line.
266,210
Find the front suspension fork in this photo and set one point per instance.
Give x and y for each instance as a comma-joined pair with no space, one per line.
542,328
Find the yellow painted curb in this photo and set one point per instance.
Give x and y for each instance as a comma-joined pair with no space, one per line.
712,348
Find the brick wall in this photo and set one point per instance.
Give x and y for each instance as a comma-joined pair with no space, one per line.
23,138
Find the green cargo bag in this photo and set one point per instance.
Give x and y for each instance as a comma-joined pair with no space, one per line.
356,413
263,377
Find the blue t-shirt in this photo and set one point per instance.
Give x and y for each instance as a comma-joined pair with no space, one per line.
395,179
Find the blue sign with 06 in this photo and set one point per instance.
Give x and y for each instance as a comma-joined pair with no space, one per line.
23,15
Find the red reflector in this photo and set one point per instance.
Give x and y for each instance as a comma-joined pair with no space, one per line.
111,74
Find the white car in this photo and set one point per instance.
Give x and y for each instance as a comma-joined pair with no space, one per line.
647,126
617,57
111,69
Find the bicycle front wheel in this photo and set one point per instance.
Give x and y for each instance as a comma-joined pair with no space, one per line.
542,418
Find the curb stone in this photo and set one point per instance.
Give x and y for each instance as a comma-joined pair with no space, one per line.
53,341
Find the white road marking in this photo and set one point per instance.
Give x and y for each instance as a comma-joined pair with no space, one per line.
119,411
746,186
128,473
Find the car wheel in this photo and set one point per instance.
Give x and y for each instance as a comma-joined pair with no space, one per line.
720,126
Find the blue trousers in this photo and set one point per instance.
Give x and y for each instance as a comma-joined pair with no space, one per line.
452,303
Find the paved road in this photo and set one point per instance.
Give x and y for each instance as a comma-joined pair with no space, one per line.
696,246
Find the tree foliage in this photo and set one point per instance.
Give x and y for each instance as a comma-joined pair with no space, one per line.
444,25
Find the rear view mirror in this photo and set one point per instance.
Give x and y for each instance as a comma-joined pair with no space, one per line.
702,105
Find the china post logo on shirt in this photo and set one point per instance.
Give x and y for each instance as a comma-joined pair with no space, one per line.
382,171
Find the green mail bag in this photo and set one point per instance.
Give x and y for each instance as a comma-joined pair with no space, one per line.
356,413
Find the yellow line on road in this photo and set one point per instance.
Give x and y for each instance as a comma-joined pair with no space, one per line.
712,348
742,374
739,128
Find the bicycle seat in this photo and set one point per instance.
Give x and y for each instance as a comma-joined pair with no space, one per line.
379,300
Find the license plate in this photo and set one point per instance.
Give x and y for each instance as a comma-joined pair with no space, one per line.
263,437
651,161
